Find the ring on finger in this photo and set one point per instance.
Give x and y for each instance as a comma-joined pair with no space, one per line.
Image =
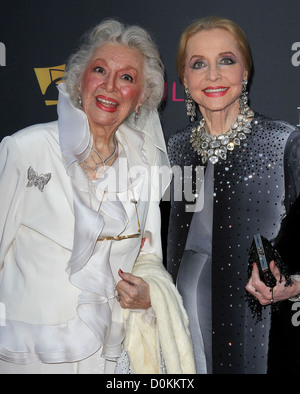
272,298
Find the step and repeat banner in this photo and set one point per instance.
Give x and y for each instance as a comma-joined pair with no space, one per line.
36,38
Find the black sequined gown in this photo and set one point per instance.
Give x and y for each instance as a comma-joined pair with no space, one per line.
248,193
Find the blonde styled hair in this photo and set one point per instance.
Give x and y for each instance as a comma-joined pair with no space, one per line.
209,23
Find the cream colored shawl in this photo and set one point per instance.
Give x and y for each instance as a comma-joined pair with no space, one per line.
168,340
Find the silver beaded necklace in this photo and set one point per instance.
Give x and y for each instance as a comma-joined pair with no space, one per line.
102,163
215,147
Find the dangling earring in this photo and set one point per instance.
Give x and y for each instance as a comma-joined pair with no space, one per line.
190,105
79,100
137,114
244,95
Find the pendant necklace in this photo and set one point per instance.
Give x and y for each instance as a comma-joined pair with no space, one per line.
102,163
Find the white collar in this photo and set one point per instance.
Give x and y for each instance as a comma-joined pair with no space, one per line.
143,145
75,136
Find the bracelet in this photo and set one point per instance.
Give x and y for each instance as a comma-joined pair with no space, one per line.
297,279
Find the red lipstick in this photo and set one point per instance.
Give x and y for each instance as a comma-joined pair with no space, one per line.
215,91
106,104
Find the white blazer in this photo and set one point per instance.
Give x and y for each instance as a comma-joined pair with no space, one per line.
56,281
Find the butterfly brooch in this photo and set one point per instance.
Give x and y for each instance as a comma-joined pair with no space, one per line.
37,180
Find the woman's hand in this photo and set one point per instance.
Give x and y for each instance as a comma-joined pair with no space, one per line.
264,294
134,292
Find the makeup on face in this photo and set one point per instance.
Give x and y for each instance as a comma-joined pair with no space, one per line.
214,70
215,91
112,85
106,103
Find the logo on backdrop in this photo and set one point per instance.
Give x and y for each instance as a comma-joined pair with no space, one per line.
48,78
2,54
296,56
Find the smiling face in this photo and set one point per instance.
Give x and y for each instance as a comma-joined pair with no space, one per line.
214,71
112,86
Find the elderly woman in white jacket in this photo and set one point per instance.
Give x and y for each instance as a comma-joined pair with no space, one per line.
82,284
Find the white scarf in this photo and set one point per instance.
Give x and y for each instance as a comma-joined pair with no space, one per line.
167,342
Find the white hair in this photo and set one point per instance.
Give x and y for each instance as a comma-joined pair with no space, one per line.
113,31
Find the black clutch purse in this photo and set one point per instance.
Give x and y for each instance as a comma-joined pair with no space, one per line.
262,252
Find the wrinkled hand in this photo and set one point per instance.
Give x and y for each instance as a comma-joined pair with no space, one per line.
264,294
134,292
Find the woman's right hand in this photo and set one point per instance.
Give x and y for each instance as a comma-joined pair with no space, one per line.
134,292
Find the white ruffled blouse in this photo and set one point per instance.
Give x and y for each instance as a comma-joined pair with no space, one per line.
57,283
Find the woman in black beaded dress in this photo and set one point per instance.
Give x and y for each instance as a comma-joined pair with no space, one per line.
248,166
